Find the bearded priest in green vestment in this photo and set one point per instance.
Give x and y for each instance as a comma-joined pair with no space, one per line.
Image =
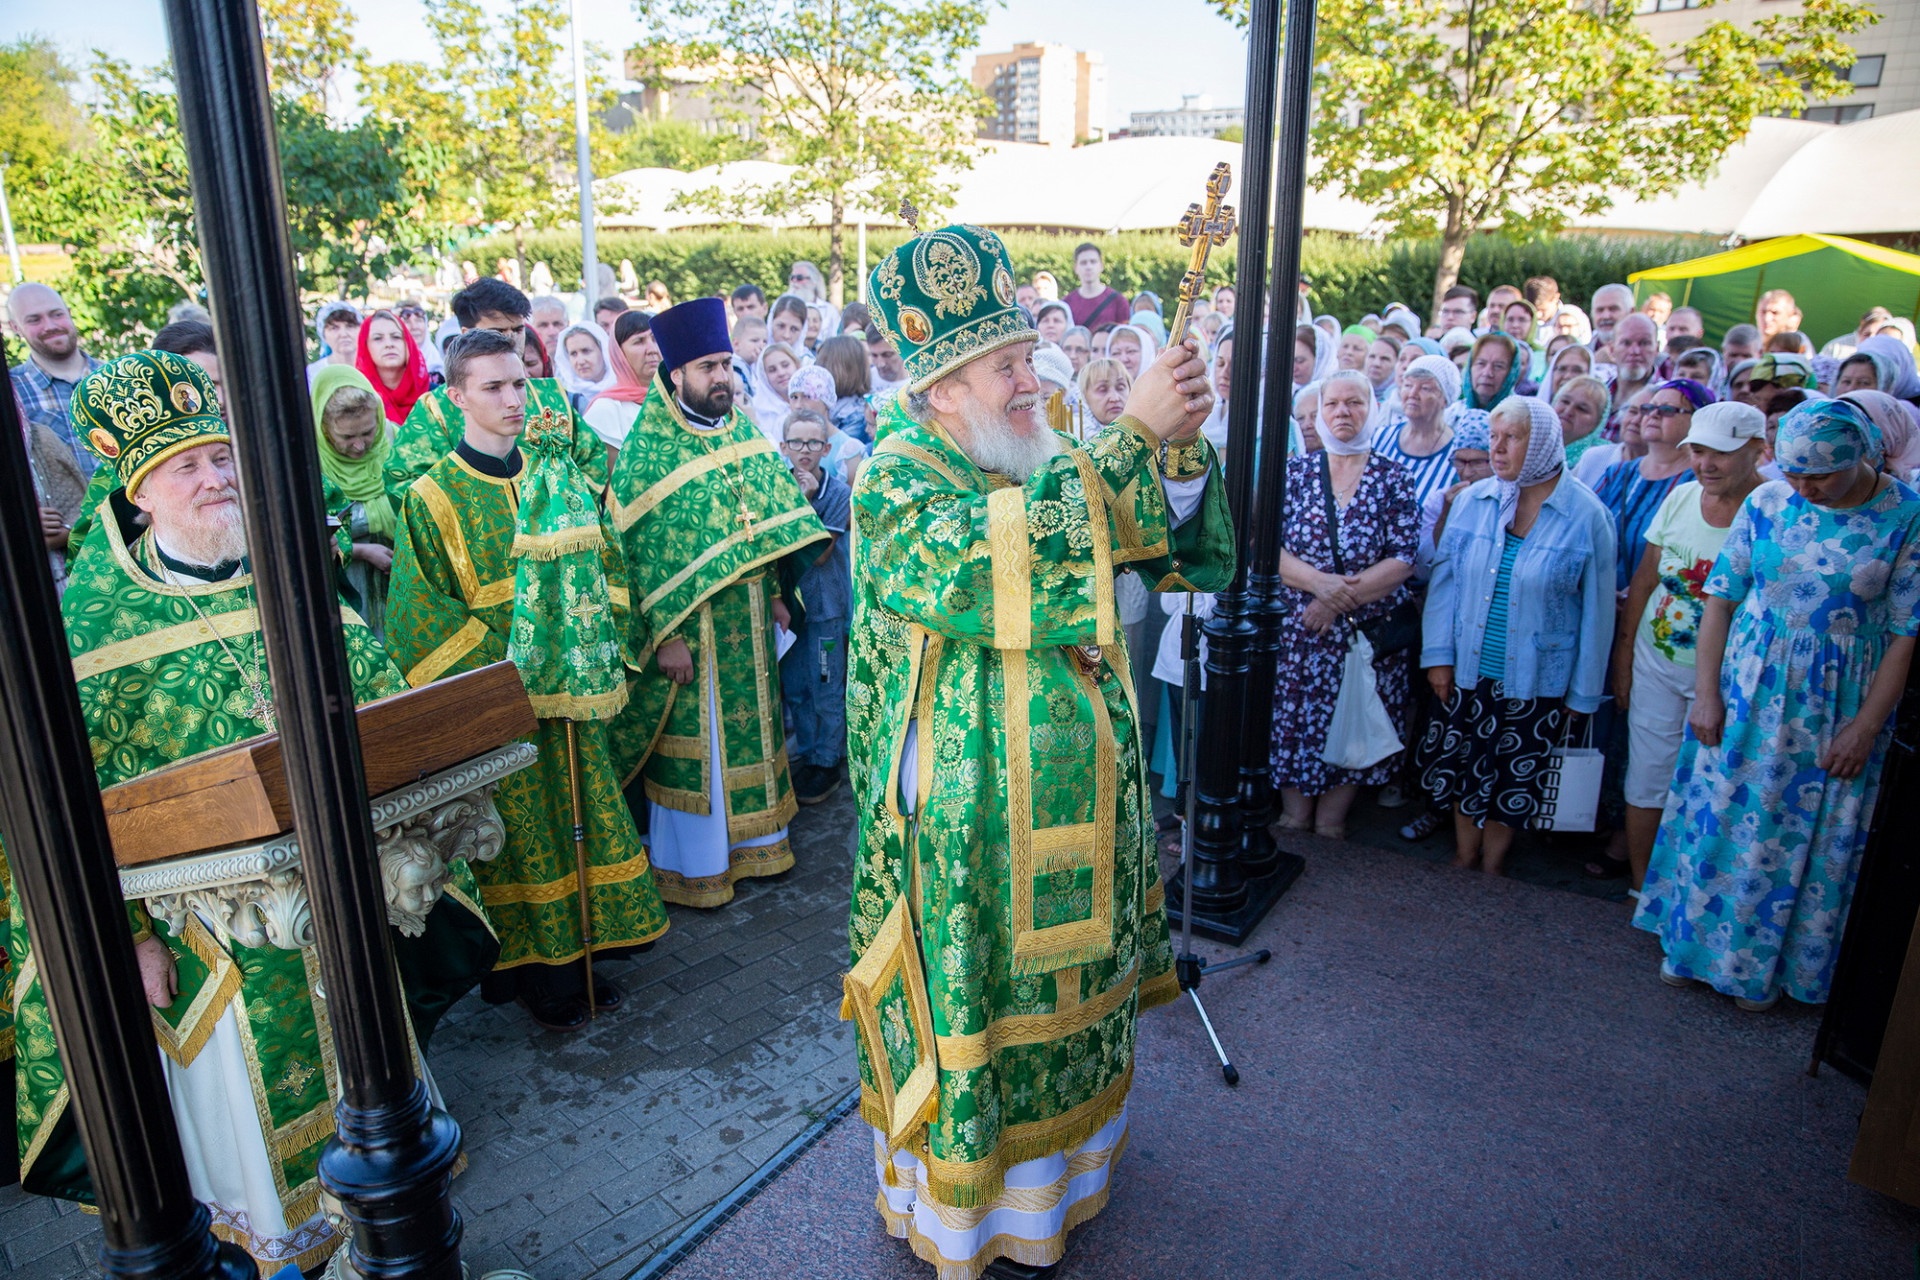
167,652
1008,922
436,423
714,527
503,552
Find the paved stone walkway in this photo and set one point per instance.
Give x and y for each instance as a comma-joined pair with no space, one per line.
588,1152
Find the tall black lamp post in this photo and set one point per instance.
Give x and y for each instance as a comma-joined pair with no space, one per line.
392,1160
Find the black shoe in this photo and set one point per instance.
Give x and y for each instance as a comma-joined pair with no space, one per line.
814,783
607,994
565,1013
1008,1269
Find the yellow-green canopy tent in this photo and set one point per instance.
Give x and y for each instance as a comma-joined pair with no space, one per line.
1833,279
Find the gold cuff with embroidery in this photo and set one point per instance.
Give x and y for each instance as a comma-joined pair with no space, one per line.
1186,459
1139,429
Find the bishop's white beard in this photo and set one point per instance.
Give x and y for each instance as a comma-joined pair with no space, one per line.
204,533
995,446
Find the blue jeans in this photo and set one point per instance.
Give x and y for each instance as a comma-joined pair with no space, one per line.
813,685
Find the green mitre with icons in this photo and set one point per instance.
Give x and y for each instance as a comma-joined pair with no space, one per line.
945,297
138,410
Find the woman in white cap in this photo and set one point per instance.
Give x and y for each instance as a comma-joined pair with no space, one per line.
1659,630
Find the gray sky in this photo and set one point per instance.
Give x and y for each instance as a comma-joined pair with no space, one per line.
1155,50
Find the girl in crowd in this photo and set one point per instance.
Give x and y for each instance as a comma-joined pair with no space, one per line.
1583,405
392,364
583,368
846,359
1351,530
771,378
533,354
787,321
1509,664
355,448
1804,649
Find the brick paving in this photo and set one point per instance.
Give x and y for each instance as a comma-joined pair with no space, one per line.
586,1153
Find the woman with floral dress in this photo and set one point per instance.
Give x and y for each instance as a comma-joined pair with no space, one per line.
1803,653
1328,593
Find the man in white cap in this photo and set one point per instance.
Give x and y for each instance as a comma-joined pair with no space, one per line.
1653,653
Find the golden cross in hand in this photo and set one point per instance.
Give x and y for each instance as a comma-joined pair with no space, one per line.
1204,230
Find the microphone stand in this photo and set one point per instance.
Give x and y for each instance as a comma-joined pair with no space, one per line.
1189,969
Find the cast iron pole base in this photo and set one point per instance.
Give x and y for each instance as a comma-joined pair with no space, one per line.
197,1254
1236,926
1259,855
392,1168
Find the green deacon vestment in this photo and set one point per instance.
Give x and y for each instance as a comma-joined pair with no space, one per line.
156,685
450,609
1005,936
705,517
435,424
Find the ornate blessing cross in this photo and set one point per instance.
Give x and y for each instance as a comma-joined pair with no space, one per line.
1203,230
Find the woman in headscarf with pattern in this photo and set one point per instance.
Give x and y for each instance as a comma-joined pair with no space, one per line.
1804,647
1351,530
1510,664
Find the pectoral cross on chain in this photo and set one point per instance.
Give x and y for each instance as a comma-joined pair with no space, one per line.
746,517
1203,230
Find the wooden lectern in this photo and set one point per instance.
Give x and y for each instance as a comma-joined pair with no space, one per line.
213,835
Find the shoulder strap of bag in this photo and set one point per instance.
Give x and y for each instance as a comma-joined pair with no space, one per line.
1333,513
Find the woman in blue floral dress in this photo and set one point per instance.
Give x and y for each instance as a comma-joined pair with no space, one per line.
1804,648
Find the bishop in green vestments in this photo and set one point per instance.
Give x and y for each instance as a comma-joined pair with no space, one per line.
1008,921
711,520
503,552
435,424
170,662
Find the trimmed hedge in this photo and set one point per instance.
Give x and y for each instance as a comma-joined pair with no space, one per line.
1350,276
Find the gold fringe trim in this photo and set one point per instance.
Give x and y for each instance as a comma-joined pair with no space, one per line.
1156,991
567,886
717,890
555,546
184,1043
574,706
970,1184
751,826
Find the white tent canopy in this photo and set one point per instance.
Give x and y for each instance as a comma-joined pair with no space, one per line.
1787,176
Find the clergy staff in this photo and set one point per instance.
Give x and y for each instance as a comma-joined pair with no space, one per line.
170,662
503,553
717,534
1008,921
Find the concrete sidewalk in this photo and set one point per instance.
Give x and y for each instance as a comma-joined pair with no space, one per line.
1443,1075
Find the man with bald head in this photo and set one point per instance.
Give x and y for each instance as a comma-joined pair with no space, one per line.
54,363
1636,356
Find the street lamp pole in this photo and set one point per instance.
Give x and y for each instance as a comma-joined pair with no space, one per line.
583,158
6,225
391,1161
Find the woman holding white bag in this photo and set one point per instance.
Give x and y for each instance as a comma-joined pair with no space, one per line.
1350,528
1517,629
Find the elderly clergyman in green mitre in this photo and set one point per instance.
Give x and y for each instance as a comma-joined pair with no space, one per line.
1008,921
164,629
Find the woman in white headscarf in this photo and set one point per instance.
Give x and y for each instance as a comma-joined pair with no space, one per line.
1510,664
1351,530
1133,347
1315,352
582,364
1893,360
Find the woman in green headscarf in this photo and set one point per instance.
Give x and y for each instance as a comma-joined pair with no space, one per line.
1493,368
359,485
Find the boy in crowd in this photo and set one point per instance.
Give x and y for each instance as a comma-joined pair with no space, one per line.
813,672
749,340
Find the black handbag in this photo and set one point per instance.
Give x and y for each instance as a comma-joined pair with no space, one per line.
1398,629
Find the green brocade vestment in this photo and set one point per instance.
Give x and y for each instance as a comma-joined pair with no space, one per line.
435,425
449,610
156,685
705,518
1006,932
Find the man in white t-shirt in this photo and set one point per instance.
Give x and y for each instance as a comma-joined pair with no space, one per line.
1653,650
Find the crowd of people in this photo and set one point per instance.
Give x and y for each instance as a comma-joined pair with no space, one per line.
1521,528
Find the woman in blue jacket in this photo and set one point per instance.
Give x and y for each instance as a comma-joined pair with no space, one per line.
1518,624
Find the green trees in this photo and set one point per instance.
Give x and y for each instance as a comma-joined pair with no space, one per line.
1454,115
863,97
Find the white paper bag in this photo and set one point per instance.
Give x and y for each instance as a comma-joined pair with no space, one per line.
1570,790
1361,733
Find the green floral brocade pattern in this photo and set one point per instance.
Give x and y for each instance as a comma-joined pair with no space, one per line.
450,609
435,424
1040,944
